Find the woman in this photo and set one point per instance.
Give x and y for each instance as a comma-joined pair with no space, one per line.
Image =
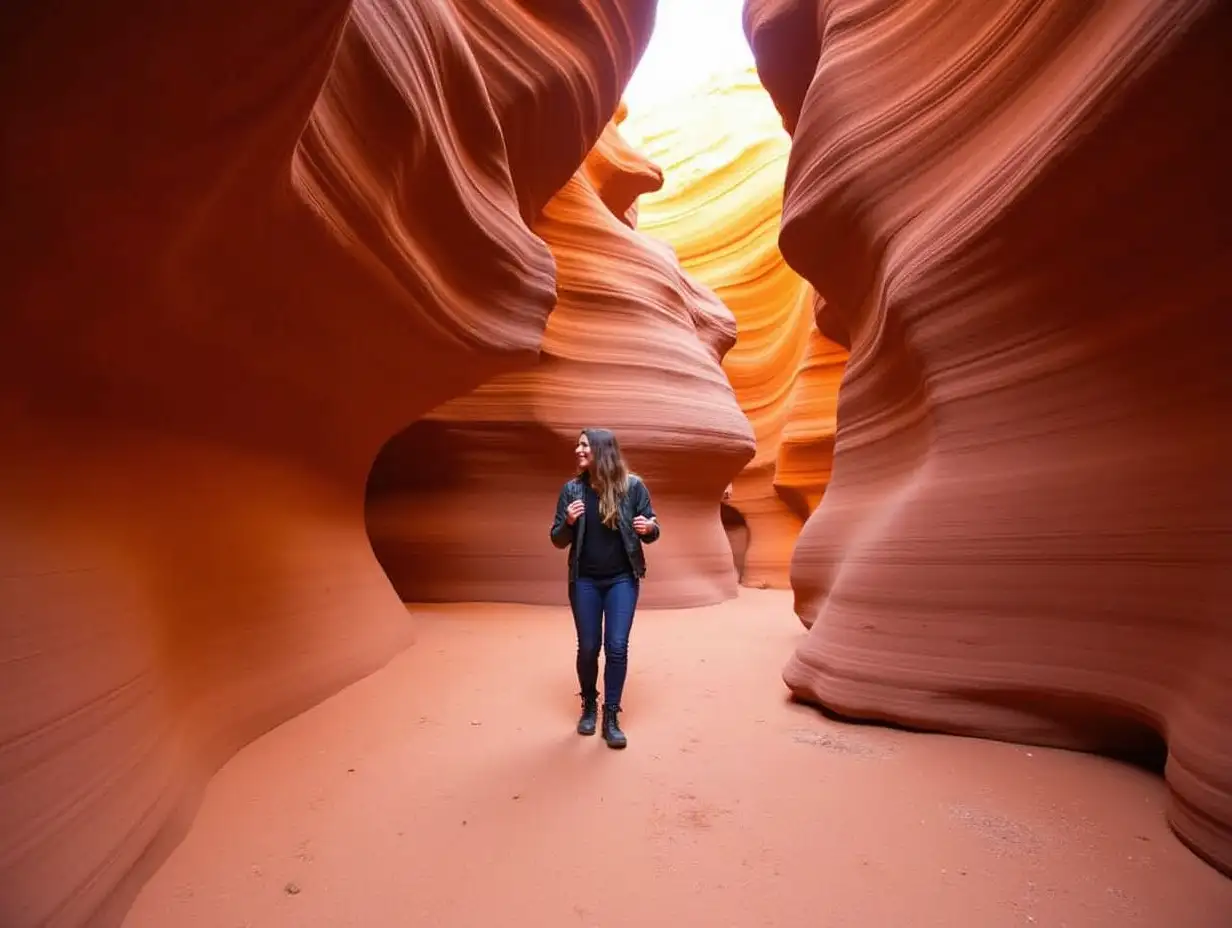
603,516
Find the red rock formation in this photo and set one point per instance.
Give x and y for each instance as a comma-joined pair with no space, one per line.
806,447
460,504
244,245
725,153
1020,212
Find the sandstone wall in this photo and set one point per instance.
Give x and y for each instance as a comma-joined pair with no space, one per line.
806,445
460,504
1018,212
724,154
244,244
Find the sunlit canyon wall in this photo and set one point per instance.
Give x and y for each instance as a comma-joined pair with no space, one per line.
460,503
244,245
1018,213
724,153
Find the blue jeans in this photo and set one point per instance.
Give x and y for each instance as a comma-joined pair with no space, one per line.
592,601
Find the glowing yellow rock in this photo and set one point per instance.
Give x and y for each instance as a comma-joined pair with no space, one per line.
723,152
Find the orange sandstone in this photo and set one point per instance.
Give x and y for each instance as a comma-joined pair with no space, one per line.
724,153
459,504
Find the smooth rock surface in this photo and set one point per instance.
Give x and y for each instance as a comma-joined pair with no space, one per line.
806,445
244,244
724,153
459,505
1019,212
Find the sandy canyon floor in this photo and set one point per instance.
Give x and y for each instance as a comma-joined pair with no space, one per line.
449,790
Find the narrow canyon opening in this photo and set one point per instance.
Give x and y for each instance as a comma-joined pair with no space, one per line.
911,320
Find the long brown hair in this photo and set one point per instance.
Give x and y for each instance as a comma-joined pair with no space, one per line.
609,475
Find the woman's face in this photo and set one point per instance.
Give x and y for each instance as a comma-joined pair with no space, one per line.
582,452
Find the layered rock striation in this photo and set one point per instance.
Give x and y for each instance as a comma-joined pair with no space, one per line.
806,444
245,245
459,504
724,154
1010,208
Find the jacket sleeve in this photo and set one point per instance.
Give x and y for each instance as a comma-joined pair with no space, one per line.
644,508
562,532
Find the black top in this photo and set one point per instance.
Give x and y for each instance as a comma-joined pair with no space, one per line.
603,551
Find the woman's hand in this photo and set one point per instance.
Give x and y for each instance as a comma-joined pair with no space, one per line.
574,512
642,525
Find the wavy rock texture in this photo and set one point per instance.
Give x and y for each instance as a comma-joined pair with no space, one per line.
227,279
1012,206
460,504
724,154
806,444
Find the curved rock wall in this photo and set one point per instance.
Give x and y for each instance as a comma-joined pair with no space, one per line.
460,504
806,445
227,279
724,153
1011,207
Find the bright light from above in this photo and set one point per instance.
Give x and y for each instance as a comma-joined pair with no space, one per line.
692,41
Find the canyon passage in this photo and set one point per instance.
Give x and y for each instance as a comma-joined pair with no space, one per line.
913,317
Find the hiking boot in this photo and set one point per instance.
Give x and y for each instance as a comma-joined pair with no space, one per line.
612,734
590,709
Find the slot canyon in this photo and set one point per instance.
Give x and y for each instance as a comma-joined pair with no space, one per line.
303,306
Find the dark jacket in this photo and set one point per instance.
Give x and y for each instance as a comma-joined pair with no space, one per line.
636,502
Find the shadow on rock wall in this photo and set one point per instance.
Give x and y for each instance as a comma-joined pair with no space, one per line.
737,528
